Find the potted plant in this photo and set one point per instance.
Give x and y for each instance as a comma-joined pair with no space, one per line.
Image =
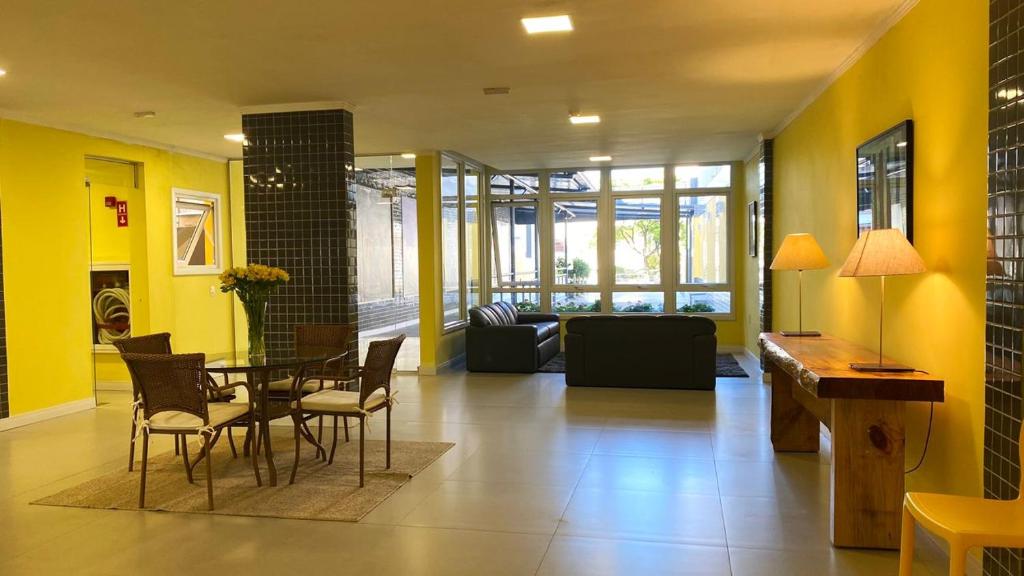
253,285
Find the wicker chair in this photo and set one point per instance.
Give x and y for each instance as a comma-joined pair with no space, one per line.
159,343
314,380
374,394
174,390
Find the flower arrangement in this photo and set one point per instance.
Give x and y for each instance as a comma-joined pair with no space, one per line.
253,285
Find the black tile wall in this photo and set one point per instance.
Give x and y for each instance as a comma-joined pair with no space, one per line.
1004,296
4,401
764,257
300,215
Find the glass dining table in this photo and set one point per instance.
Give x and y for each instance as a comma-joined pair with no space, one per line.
259,371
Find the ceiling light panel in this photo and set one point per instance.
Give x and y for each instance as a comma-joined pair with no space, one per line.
561,23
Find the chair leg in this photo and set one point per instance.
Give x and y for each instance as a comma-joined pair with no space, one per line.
387,443
184,457
907,543
177,446
957,559
297,418
362,450
145,457
131,448
247,443
320,433
344,420
209,473
231,443
334,442
255,460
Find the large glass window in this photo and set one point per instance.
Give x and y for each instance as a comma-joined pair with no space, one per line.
703,239
451,271
638,240
515,245
627,240
575,243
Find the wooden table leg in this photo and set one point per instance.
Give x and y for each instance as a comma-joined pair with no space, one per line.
794,428
868,438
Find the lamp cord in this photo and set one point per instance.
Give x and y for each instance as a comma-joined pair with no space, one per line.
927,437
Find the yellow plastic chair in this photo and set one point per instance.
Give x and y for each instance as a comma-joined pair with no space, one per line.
963,522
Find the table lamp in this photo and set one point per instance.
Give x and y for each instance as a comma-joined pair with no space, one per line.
800,252
883,252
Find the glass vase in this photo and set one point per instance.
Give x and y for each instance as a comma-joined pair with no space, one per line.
256,316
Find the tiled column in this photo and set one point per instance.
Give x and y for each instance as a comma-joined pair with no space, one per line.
300,215
1005,267
764,258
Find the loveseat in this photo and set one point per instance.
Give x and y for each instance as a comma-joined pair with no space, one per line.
668,351
500,338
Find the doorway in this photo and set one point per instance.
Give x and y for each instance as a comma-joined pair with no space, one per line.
387,255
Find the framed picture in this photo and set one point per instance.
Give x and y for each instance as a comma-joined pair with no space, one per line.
752,229
885,181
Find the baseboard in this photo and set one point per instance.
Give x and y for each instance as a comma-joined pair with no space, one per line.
113,386
449,365
57,411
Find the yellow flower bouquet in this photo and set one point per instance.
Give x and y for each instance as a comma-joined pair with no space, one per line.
253,285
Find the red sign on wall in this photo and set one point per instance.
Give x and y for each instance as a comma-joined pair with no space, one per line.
122,213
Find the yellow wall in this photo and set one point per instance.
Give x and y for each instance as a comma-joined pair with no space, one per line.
45,213
436,347
931,67
731,332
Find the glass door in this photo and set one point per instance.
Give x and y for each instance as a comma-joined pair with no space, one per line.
387,258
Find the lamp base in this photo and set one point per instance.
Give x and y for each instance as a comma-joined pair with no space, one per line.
876,367
802,334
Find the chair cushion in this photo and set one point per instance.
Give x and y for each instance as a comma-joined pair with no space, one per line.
285,385
341,401
220,413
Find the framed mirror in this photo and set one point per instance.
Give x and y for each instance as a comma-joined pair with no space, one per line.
885,181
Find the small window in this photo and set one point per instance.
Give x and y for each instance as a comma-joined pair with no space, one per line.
523,301
197,232
710,176
638,302
515,184
575,181
638,179
575,302
704,302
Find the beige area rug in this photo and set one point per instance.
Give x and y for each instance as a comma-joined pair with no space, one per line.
320,492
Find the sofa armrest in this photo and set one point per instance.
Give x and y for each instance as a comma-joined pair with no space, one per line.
501,348
534,317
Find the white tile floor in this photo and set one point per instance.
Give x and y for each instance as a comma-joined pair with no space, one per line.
543,480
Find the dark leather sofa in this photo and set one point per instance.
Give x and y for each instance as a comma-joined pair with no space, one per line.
641,352
502,339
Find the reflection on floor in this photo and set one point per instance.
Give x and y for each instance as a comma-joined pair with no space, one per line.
408,357
542,480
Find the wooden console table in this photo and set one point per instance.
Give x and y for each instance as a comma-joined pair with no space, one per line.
812,382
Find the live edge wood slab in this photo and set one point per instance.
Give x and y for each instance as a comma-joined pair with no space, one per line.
812,382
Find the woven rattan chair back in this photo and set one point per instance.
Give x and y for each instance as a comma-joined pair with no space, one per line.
159,343
170,382
322,335
380,361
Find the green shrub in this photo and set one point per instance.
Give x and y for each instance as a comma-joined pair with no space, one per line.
699,307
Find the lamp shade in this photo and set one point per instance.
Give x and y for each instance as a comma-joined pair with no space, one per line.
799,252
882,252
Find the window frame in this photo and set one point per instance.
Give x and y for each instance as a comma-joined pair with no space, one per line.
180,269
671,281
483,223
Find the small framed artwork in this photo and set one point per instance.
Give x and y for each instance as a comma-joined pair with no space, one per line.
752,228
885,181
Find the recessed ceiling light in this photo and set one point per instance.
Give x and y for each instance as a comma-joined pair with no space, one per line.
577,119
409,156
560,23
235,137
600,158
145,114
3,72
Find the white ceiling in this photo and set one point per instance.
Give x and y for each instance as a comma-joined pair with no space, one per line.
673,80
